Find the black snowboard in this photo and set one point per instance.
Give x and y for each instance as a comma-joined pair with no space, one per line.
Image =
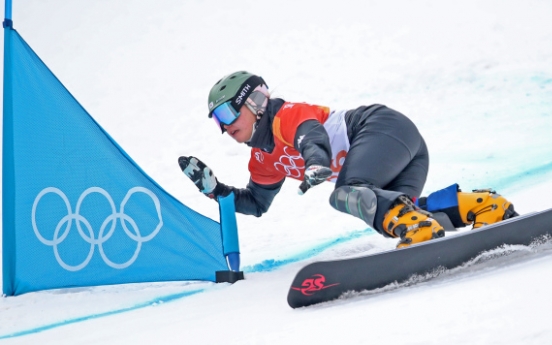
326,280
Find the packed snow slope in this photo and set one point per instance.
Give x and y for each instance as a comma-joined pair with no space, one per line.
475,76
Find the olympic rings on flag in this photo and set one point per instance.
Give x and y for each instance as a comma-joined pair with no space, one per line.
111,221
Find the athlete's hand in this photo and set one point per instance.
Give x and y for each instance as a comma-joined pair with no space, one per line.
200,174
314,175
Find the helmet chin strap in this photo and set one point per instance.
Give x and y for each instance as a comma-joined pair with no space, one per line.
254,128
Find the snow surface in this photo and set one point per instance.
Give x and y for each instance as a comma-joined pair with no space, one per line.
474,75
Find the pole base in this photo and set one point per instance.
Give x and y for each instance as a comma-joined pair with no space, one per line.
228,276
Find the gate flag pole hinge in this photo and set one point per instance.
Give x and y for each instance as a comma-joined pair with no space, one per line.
230,242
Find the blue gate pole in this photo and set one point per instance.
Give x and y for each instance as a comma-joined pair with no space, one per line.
8,14
229,228
8,173
230,242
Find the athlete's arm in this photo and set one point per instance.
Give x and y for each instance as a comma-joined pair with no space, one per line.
312,141
254,199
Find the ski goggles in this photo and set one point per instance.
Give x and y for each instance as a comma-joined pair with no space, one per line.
225,114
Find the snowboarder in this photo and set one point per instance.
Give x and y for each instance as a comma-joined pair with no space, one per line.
375,155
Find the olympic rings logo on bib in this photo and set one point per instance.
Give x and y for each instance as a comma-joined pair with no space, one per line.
88,235
288,165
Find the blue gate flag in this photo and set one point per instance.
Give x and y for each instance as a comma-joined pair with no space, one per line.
77,210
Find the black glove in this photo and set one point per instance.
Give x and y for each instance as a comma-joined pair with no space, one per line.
200,174
314,175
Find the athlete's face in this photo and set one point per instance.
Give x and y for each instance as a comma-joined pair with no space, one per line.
242,129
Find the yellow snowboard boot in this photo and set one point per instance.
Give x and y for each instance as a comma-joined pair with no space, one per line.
410,223
484,207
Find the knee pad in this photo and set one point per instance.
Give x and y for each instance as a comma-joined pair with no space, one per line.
360,202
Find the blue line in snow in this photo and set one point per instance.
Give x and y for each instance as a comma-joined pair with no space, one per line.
271,264
523,179
164,299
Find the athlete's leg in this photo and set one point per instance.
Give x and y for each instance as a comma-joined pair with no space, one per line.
387,159
412,178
